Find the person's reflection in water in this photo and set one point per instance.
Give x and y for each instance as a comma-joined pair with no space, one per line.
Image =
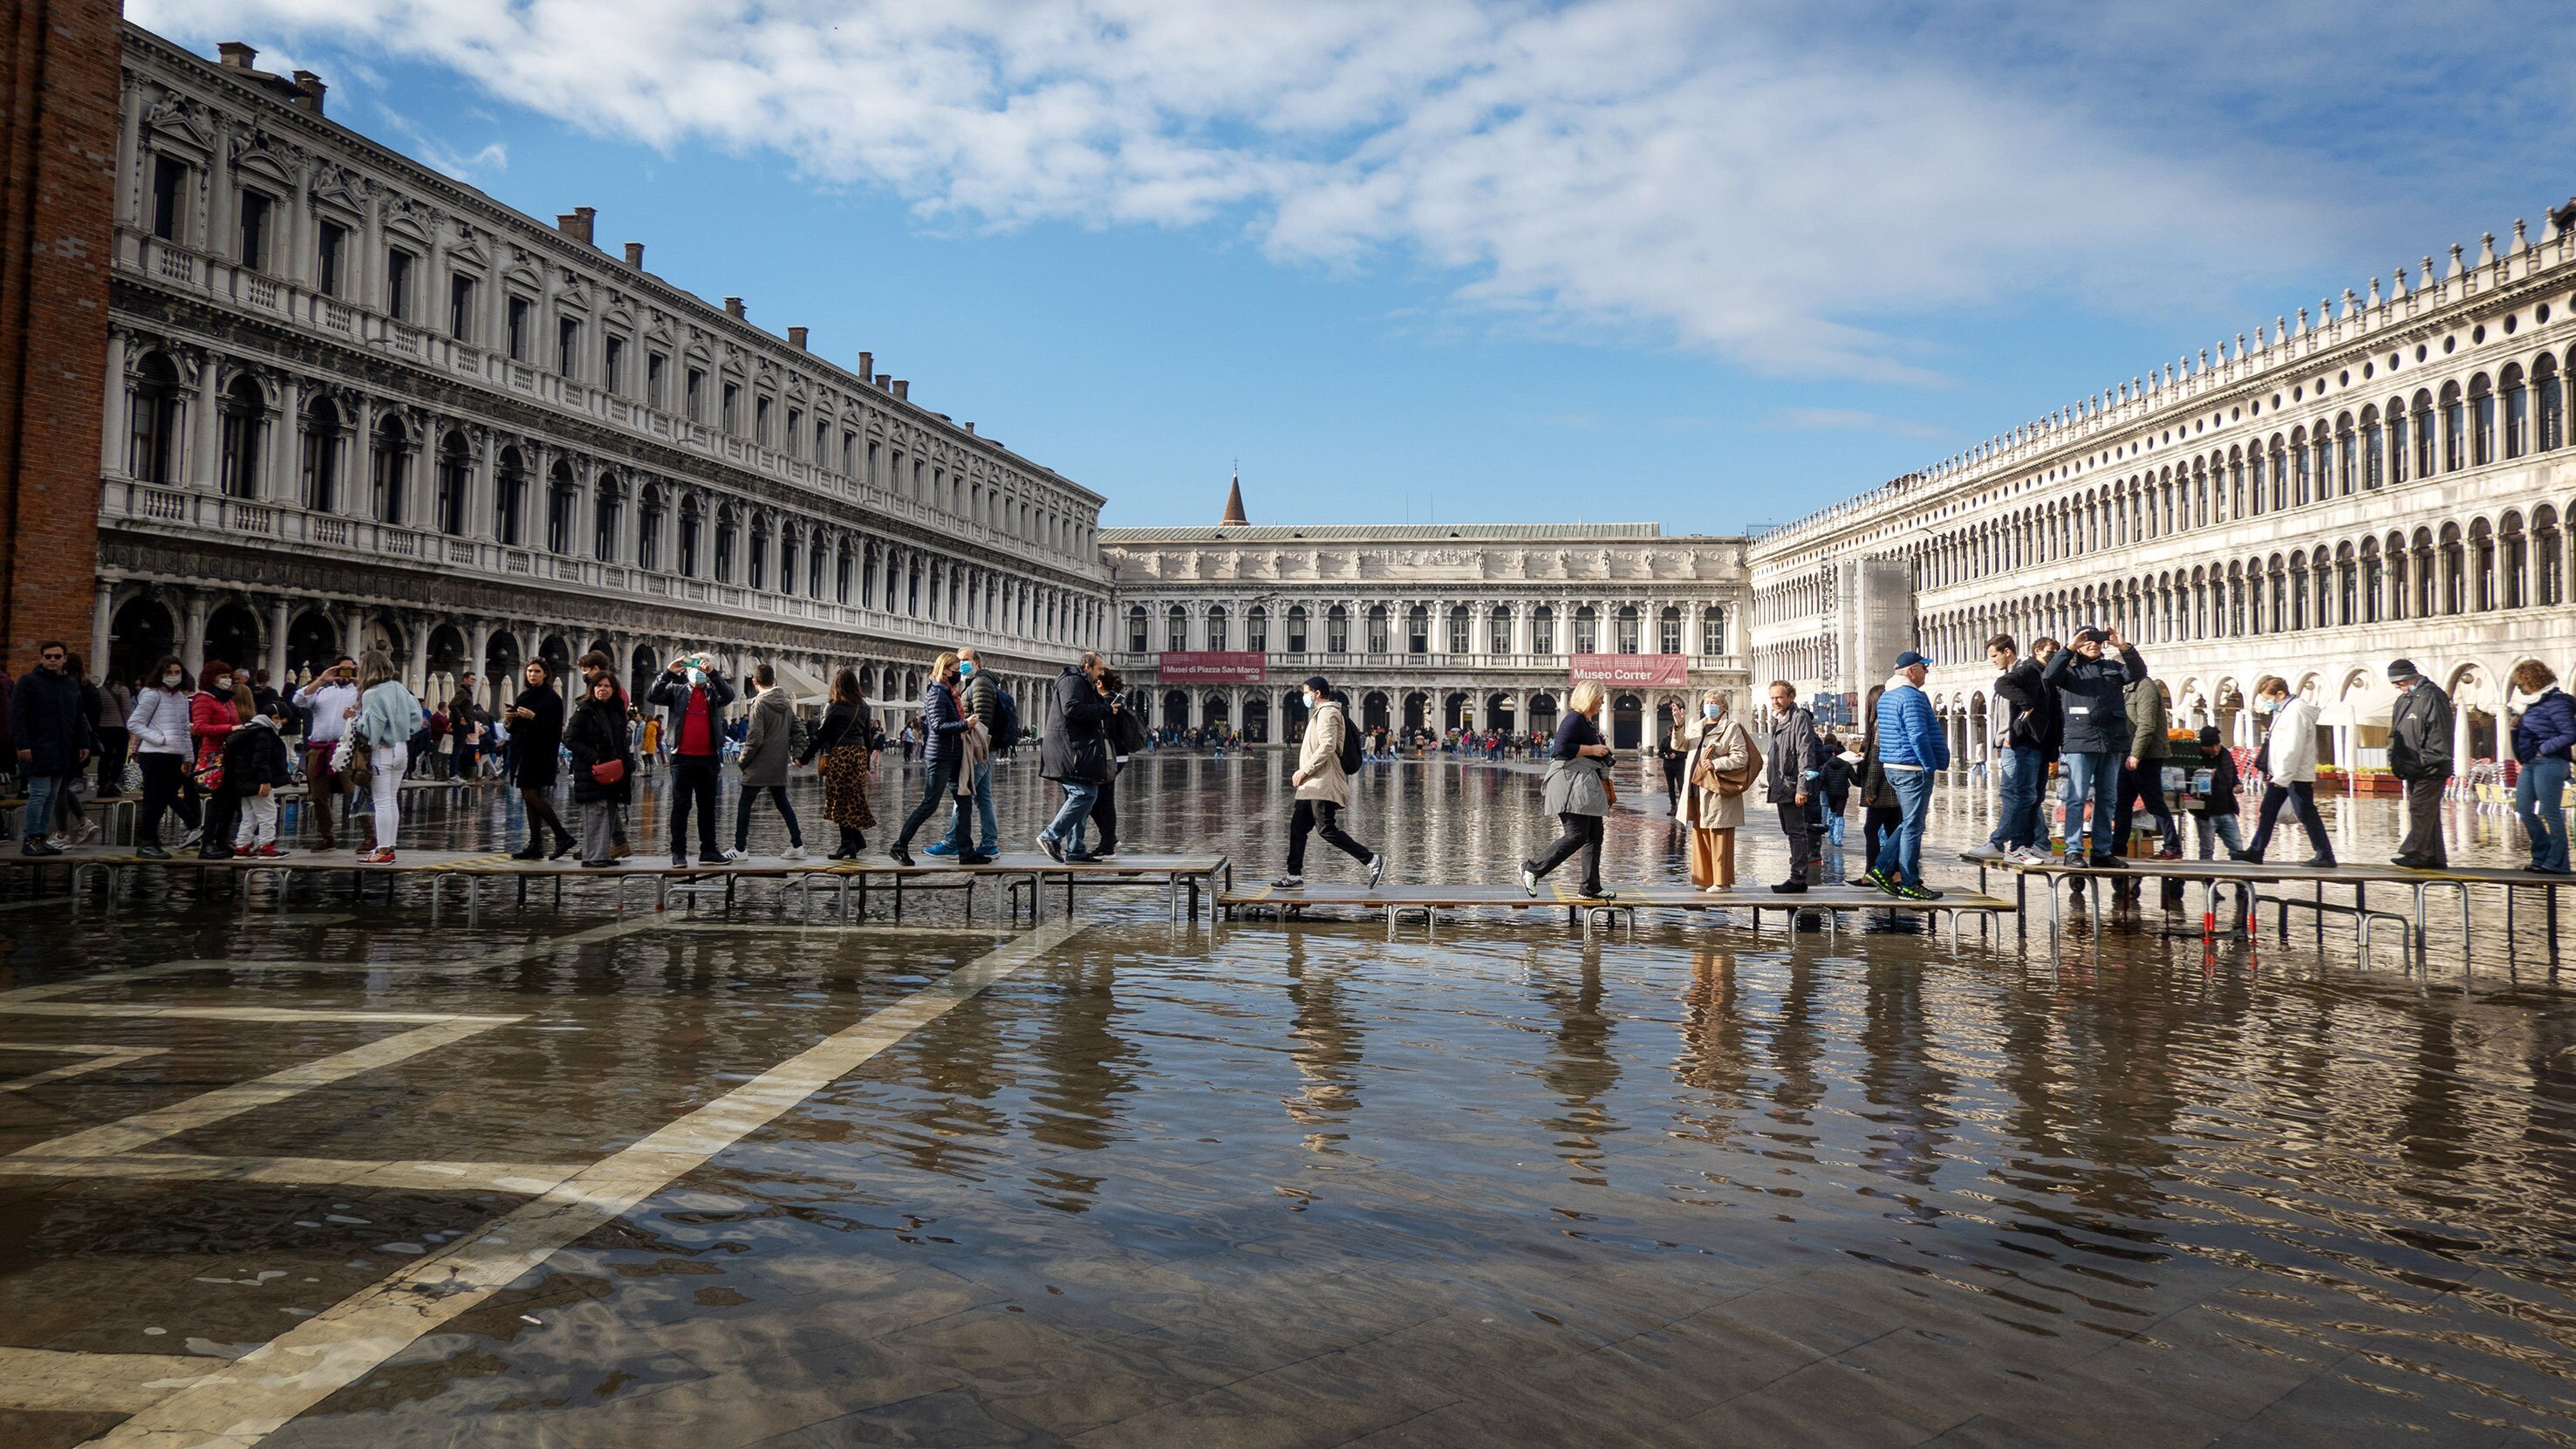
1087,1068
1327,1050
1580,1068
1713,1060
1898,1073
1796,1051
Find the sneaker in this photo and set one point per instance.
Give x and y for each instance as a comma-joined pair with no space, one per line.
2247,856
718,857
679,861
151,852
377,857
973,857
1529,878
268,850
189,836
1886,884
1289,883
1600,893
88,832
1101,852
898,854
2319,862
2167,852
1053,848
599,864
1080,857
1377,870
37,845
1796,887
1873,879
1918,893
793,852
59,841
2108,862
939,847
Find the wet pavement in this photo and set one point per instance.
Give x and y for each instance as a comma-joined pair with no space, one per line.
314,1174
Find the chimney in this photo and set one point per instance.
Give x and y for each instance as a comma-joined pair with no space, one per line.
308,91
635,255
970,427
236,55
867,361
796,338
885,382
903,389
576,223
733,307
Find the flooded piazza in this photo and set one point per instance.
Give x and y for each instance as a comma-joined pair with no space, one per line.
307,1172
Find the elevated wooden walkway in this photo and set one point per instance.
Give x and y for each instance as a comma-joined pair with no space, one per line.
1396,902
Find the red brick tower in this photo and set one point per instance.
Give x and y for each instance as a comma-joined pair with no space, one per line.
59,73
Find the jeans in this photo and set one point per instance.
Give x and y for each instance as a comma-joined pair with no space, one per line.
983,805
2017,822
1901,856
742,815
693,789
1066,828
2301,794
2092,779
2218,830
1322,817
167,786
2535,800
41,793
1581,833
942,784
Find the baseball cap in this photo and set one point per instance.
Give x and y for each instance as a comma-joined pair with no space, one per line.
1910,658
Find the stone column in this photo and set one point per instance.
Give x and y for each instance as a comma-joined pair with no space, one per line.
353,631
192,631
278,615
112,437
100,616
208,427
2460,732
417,671
286,446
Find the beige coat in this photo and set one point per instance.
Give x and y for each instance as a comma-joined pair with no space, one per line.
1723,745
1320,759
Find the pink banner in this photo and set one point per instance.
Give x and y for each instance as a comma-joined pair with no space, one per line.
1210,666
1631,671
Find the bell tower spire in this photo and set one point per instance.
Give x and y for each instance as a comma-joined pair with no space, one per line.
1234,503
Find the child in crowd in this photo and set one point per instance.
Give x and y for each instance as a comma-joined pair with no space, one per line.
2214,811
255,765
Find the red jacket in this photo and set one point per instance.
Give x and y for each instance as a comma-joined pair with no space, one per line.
210,718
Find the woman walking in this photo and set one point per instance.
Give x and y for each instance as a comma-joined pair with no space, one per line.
388,714
215,726
846,744
159,727
2289,766
536,733
2543,740
1577,793
1720,766
768,741
211,715
943,723
603,767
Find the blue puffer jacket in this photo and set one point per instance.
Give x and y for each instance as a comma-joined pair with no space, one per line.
2547,727
1908,732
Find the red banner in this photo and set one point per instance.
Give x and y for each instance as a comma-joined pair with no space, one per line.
1630,671
1210,666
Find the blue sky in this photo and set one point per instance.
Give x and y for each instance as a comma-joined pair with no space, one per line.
1701,264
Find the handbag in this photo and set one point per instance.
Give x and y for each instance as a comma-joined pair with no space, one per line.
608,772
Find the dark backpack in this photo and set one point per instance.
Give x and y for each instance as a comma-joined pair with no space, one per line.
1009,733
1351,756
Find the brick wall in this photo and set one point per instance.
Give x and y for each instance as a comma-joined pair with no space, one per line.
59,62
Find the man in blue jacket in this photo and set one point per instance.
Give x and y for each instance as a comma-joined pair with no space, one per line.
1911,749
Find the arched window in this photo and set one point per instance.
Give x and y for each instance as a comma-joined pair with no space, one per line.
1498,630
692,524
1462,630
1417,629
1137,643
1712,631
2482,566
1543,629
755,572
728,531
1256,630
2514,561
2482,414
245,426
2372,580
2347,586
1217,626
152,421
322,444
2517,413
788,553
607,504
2549,580
1176,628
455,482
510,498
2552,406
1628,630
1337,631
2347,471
1296,628
2401,599
841,574
2454,567
1380,637
2424,434
563,501
1587,630
2373,471
2455,428
1668,631
390,471
648,530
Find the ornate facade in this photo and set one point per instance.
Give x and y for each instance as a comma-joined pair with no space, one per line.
2387,477
1424,625
351,401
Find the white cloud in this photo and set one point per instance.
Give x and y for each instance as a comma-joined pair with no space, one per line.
1686,172
1852,420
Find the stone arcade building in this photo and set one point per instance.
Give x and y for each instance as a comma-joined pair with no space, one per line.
1424,625
2388,476
353,402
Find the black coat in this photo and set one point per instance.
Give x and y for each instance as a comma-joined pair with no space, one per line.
1075,749
671,692
2031,720
46,716
1794,752
2091,700
254,755
597,732
842,724
2419,734
533,741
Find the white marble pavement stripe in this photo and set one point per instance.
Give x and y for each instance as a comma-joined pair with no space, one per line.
247,1400
522,1179
50,1380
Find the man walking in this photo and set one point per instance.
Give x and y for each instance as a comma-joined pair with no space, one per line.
2143,775
1794,759
1912,748
1323,789
2419,753
1075,754
50,729
329,702
696,696
982,697
2095,721
2030,742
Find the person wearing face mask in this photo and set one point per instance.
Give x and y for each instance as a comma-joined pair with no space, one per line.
2289,766
1323,783
980,695
210,715
2092,705
159,727
536,734
695,695
1722,763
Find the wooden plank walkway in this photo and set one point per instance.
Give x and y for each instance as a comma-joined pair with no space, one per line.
1397,902
1028,879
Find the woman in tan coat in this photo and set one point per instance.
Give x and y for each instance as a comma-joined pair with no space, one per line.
1323,789
1720,767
